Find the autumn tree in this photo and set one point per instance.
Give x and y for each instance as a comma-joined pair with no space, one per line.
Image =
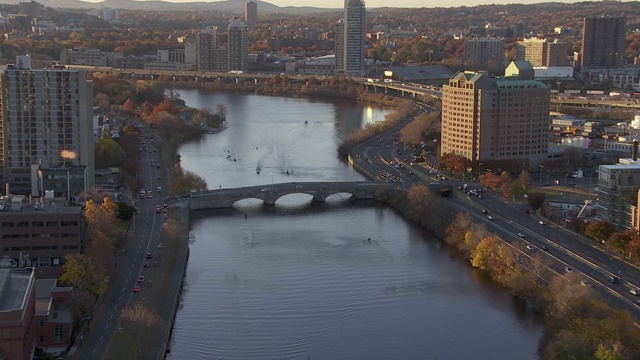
524,180
141,315
81,272
129,106
100,218
600,230
454,162
102,101
620,240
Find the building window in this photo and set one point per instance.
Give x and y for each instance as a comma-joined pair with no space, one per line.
41,322
41,339
58,334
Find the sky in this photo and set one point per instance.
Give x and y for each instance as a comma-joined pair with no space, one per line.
335,4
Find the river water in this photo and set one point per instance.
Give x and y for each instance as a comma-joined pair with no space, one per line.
336,280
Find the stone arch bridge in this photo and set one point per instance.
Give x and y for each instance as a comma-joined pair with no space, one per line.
226,198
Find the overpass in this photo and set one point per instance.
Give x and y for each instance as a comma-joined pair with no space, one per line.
226,198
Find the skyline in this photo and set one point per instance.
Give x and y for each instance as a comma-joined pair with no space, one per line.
372,4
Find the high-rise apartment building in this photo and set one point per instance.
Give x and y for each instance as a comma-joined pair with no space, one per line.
485,118
206,44
603,42
250,13
46,125
542,53
484,54
238,45
350,39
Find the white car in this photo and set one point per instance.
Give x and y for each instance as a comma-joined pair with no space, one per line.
520,235
568,269
585,283
530,247
490,217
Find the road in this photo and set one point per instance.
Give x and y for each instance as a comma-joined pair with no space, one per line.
384,153
144,239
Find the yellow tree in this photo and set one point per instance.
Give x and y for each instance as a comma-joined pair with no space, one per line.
81,272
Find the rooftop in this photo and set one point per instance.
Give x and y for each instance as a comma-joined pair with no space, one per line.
19,203
14,285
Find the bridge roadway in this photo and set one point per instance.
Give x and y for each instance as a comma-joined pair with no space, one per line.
225,198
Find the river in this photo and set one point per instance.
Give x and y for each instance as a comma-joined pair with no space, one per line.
336,280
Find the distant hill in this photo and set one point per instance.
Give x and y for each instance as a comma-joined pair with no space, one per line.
232,6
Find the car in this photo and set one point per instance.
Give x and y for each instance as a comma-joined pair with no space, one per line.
520,235
159,189
140,279
485,212
376,157
568,269
158,209
136,289
541,222
490,217
527,211
146,264
531,247
157,165
633,292
266,190
544,248
149,256
149,196
613,279
159,177
585,283
160,246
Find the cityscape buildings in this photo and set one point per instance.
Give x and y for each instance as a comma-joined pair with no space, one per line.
485,118
45,125
206,44
17,313
350,39
603,42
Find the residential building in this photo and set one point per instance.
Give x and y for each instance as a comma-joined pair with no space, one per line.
45,123
250,13
53,316
90,57
484,54
238,45
486,118
39,234
350,39
319,66
542,53
107,14
603,42
206,44
618,192
17,313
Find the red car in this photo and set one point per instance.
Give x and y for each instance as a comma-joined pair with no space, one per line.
136,289
527,211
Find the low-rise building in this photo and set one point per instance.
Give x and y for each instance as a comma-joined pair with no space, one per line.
53,316
39,234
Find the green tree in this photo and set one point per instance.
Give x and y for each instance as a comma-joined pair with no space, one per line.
107,154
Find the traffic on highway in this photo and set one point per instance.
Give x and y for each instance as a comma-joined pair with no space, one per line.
515,223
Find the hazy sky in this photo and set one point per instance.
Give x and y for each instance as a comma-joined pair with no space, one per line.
387,3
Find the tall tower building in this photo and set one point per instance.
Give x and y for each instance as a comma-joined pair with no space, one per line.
485,118
350,39
46,127
484,54
206,44
250,13
238,45
603,40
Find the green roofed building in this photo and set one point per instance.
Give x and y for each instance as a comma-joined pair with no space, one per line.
489,118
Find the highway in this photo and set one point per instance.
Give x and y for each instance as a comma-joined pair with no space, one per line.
144,239
564,249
